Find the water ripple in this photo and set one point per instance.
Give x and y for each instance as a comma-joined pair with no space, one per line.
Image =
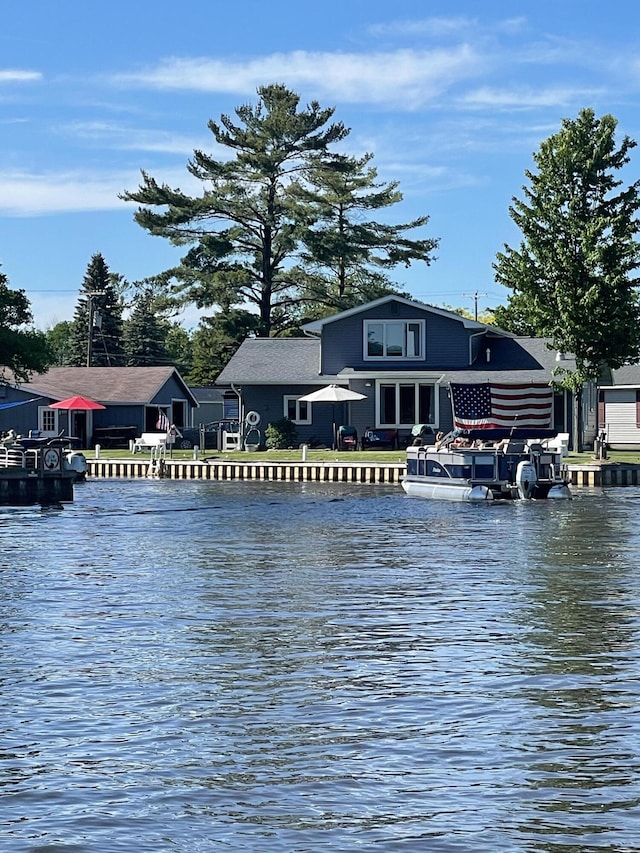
199,666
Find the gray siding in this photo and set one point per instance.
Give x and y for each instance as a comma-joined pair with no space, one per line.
620,418
447,341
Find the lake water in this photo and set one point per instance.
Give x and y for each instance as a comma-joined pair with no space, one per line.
191,666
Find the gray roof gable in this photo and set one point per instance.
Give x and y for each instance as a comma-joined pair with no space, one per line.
273,361
107,385
316,326
628,375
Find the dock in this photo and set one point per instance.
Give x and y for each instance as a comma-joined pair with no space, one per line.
30,476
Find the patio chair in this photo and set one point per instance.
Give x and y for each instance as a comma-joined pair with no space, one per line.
347,438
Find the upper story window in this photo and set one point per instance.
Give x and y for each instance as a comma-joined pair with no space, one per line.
394,339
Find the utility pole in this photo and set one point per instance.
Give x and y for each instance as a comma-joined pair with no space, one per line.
90,298
475,296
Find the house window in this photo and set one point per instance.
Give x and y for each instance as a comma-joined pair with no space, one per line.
48,420
403,404
298,411
390,339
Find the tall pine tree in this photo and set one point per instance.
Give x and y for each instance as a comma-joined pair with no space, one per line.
144,333
245,227
257,212
96,337
347,253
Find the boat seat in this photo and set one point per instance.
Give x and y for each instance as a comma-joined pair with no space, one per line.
514,447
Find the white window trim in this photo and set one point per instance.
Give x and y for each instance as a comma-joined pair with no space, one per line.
296,397
393,358
55,413
406,381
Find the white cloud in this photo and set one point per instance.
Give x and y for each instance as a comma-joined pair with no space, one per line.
31,194
441,27
131,139
28,194
406,79
522,98
13,75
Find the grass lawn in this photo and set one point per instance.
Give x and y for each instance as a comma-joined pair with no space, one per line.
369,456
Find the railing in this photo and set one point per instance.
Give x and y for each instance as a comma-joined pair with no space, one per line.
16,457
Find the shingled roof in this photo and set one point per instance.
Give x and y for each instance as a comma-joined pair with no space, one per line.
107,385
274,361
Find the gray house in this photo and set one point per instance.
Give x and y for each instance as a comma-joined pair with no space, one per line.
133,397
400,354
619,408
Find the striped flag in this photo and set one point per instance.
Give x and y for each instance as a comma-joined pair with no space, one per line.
163,423
486,405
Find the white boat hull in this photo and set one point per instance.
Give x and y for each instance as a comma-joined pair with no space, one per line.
422,488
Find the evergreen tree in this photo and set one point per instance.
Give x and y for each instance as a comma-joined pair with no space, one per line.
215,341
573,275
144,333
347,255
245,227
22,350
96,338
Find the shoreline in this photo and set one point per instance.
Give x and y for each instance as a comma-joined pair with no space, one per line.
583,475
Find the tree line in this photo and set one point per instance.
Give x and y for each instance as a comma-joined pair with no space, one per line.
286,230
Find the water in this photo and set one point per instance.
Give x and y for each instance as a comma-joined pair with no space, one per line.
195,666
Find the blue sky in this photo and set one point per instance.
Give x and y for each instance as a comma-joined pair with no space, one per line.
452,98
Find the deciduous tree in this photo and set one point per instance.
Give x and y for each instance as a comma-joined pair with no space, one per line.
23,350
573,275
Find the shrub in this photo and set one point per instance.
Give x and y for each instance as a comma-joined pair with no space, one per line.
281,435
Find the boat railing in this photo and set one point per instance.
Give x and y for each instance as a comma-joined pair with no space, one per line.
18,457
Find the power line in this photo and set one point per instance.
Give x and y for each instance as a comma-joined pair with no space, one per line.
475,296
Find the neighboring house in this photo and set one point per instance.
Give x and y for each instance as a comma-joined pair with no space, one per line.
619,408
401,354
134,398
210,404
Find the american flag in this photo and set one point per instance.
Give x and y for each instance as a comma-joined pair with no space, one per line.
493,404
163,423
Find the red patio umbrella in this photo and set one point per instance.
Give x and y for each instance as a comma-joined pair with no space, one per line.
77,404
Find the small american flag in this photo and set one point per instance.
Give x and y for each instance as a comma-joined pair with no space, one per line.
163,423
485,405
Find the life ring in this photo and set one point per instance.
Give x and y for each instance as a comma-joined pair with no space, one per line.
252,419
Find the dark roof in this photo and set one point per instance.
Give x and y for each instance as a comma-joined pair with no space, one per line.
207,393
274,361
627,375
295,361
104,384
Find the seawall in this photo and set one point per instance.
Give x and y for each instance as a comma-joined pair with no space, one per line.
219,469
596,474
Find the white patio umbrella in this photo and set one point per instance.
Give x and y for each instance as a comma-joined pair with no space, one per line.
333,394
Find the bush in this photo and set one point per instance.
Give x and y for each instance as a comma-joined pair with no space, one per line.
281,435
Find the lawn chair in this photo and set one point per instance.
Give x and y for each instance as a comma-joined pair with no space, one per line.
347,438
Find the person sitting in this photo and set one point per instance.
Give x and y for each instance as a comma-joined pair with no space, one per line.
9,438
